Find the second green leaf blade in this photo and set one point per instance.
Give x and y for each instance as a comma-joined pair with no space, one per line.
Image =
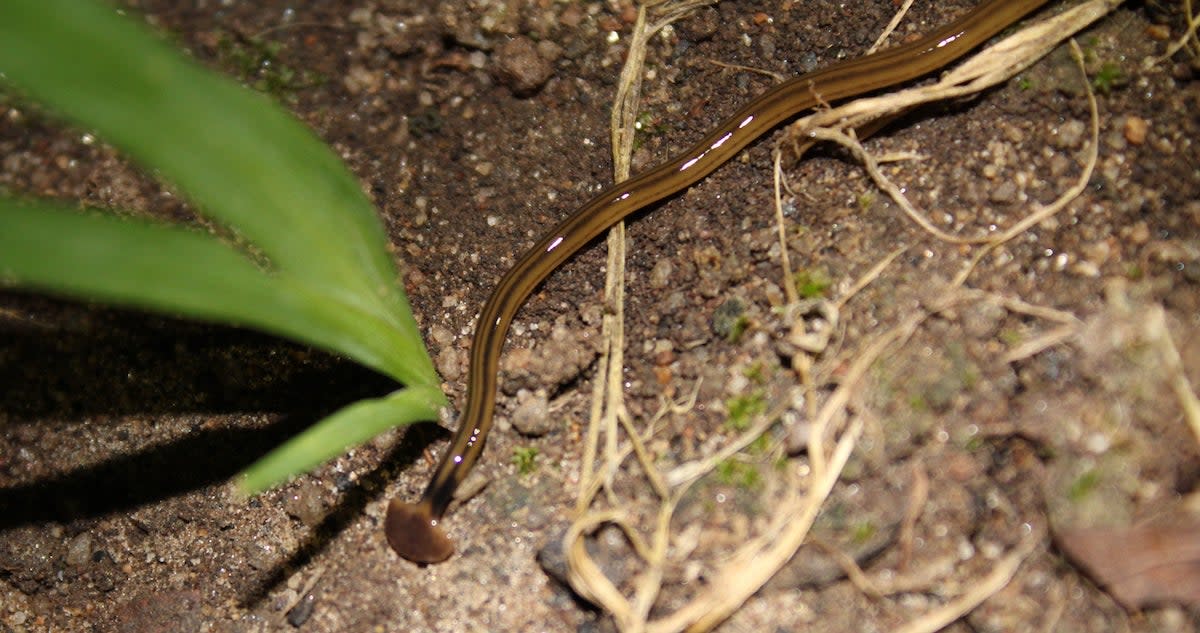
242,160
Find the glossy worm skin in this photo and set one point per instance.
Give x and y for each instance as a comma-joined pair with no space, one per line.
411,528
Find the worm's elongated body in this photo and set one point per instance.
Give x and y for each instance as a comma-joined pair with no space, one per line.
412,528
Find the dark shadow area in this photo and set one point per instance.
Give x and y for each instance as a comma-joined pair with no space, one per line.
351,505
63,362
130,481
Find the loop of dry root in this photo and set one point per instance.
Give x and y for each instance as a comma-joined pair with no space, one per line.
834,429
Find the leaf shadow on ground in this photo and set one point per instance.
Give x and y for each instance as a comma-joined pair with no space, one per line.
78,365
350,507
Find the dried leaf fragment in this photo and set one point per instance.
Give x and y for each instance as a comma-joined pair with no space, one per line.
1140,566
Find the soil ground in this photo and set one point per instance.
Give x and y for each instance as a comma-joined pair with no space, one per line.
119,431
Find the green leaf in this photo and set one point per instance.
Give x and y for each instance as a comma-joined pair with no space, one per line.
244,161
321,272
187,272
241,159
347,427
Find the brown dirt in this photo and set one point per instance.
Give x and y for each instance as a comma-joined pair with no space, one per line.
119,431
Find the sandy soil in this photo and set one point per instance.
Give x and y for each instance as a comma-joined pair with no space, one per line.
119,431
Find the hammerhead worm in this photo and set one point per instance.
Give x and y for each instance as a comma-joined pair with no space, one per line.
412,528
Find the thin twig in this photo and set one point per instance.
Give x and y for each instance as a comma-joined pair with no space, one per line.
1156,329
887,31
1002,573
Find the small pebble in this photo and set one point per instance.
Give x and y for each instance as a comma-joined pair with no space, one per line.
1004,193
450,363
260,556
303,610
474,484
1135,130
1070,134
1137,233
441,335
79,550
304,503
532,416
518,66
1160,32
660,275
